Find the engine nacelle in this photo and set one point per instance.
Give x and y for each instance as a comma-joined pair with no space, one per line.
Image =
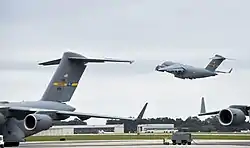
2,119
231,116
37,122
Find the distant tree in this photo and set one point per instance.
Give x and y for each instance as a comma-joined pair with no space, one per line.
193,124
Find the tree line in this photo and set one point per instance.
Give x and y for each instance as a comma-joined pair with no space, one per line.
192,124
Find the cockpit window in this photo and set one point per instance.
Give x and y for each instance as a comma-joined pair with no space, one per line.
168,63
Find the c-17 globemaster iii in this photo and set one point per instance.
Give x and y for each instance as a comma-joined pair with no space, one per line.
190,72
22,119
231,116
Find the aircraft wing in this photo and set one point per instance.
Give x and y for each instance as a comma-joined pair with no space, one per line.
173,68
209,113
82,116
203,109
89,115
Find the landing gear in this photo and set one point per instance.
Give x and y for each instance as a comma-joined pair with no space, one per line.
11,144
184,142
174,142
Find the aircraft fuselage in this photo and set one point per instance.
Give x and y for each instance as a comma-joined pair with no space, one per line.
194,72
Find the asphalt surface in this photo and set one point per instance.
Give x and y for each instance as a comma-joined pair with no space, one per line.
135,143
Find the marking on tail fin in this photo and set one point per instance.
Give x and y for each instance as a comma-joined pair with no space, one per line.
67,75
64,84
215,62
65,79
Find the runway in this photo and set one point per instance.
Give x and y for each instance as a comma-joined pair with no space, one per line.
136,143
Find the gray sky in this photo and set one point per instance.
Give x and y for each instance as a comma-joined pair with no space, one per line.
146,31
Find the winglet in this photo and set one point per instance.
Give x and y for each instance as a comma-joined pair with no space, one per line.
142,112
203,107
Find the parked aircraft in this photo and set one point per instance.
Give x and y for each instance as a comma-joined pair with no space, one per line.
233,115
189,72
22,119
134,122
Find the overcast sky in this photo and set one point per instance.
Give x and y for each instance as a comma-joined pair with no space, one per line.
147,31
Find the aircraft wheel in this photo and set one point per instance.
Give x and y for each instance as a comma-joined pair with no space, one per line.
184,142
174,142
11,144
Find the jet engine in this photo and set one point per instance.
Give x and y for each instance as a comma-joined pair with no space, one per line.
231,116
2,119
37,122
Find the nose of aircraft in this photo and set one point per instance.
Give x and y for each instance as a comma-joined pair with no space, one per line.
157,67
160,68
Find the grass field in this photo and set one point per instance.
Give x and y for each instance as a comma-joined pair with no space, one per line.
133,137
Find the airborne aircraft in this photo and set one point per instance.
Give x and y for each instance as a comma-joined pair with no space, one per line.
189,72
233,115
22,119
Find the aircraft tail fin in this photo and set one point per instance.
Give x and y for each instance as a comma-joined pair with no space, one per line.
215,62
139,117
203,107
203,111
67,75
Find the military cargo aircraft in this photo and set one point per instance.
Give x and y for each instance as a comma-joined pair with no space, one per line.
233,115
22,119
189,72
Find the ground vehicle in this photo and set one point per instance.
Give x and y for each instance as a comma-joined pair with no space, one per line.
1,141
179,138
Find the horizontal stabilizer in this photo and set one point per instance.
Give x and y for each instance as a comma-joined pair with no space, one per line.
218,57
85,60
88,60
225,71
52,62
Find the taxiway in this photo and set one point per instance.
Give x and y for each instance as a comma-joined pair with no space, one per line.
135,143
